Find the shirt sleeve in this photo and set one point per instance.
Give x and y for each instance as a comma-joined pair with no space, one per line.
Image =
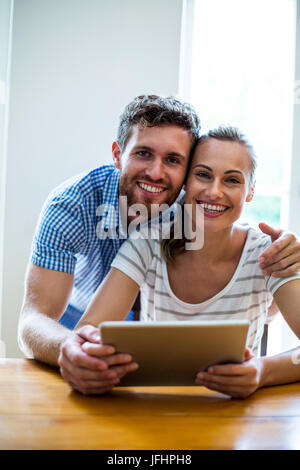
59,234
134,259
273,283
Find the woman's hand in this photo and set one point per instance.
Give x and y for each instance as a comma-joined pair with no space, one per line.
236,380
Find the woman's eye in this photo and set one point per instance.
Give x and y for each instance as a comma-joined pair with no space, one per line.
233,181
202,174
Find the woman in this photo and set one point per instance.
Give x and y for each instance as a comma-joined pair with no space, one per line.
222,280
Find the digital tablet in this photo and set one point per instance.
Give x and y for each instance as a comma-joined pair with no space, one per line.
171,353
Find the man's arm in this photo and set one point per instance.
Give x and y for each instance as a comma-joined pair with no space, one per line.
43,338
46,297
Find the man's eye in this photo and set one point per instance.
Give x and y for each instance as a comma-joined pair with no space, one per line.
173,160
143,153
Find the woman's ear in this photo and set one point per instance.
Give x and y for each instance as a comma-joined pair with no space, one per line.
116,155
251,193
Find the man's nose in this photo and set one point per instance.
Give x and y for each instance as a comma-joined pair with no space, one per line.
155,170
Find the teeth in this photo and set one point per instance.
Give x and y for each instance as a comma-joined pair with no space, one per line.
211,207
150,189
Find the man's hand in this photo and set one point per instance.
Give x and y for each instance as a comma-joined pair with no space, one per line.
282,258
235,380
90,367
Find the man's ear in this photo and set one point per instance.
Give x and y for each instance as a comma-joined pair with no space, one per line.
116,155
251,193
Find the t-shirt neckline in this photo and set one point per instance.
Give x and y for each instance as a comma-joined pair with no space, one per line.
216,296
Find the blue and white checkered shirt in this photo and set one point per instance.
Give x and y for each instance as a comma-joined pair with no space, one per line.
67,237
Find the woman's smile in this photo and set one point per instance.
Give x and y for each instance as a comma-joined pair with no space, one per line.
211,209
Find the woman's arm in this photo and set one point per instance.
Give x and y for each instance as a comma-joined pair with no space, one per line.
241,380
287,298
283,368
112,301
273,311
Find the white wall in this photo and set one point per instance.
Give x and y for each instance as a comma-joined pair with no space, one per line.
74,65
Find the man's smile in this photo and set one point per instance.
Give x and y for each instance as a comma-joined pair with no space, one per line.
150,189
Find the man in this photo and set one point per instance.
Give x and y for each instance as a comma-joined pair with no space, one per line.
71,256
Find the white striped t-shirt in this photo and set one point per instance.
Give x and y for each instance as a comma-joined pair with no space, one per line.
246,296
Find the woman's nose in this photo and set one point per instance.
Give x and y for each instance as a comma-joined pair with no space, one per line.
214,191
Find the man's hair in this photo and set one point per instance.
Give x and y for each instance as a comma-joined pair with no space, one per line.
152,111
233,134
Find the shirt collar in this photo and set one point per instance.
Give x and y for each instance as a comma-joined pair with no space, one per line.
111,199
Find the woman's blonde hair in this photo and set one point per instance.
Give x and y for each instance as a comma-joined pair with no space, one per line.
172,247
233,134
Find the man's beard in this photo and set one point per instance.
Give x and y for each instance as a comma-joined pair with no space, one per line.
128,187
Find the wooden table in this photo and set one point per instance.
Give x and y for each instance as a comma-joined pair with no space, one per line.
38,410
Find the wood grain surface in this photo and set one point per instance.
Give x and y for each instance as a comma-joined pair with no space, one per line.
38,410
